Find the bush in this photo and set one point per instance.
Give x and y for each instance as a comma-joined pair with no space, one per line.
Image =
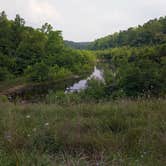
141,79
56,72
95,90
136,71
5,74
42,72
3,99
38,72
60,97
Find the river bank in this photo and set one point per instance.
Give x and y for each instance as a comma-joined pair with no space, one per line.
23,90
26,90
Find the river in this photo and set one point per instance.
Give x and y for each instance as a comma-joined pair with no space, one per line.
82,84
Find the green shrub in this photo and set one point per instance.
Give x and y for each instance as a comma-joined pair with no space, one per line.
60,73
38,72
3,99
5,74
95,90
60,97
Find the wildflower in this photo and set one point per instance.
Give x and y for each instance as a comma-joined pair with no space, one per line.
144,153
97,164
8,136
46,124
28,135
28,116
34,130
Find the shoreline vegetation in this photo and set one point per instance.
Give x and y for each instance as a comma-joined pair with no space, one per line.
6,89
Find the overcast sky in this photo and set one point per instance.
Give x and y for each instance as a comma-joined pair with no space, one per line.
85,20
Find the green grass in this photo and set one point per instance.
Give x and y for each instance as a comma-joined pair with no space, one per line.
119,133
4,85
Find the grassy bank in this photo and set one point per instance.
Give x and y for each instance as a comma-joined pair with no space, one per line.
114,133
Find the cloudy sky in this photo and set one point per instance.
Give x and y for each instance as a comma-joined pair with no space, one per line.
85,20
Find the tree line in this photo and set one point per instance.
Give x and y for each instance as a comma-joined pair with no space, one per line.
37,54
135,71
151,33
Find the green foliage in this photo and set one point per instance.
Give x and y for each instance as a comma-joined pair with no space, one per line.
95,90
5,74
56,72
62,98
23,49
143,80
3,99
30,51
39,72
135,71
77,45
151,33
46,28
54,43
42,72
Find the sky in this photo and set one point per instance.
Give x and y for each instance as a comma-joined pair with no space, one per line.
85,20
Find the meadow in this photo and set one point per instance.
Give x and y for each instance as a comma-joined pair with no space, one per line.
118,133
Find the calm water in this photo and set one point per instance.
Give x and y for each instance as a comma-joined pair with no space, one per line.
38,92
82,84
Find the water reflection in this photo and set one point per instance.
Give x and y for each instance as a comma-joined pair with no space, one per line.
82,84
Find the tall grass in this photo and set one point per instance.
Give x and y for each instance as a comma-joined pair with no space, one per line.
123,132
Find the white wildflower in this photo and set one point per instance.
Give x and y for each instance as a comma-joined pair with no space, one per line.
145,153
34,130
28,116
46,124
8,136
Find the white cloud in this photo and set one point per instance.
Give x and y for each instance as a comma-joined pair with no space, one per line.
44,10
35,12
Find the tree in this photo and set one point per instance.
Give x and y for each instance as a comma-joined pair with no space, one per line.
31,50
6,45
20,22
38,72
46,28
17,31
54,43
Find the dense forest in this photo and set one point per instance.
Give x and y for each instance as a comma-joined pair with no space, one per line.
77,45
151,33
135,71
37,54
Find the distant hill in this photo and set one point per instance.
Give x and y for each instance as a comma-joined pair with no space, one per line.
77,45
151,33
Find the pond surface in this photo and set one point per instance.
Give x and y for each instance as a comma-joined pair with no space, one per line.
38,92
82,84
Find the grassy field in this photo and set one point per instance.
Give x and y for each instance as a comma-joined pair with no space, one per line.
118,133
